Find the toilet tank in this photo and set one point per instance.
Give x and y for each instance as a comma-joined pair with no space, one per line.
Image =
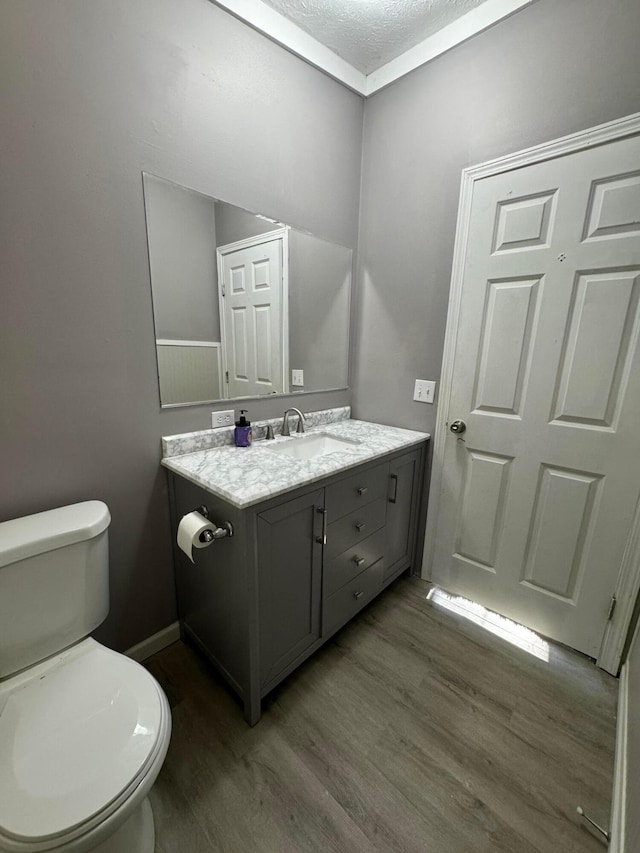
54,581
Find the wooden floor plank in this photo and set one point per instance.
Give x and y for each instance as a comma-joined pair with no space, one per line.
413,730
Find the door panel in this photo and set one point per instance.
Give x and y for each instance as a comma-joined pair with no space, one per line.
560,529
613,208
264,333
524,223
602,322
538,495
483,504
505,345
239,345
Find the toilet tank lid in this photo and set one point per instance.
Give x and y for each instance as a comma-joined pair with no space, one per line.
46,531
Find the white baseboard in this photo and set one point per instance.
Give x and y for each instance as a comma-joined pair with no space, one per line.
618,805
143,650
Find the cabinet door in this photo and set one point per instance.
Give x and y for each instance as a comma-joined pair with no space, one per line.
401,509
289,580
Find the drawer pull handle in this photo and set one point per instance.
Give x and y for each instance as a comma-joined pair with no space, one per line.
322,540
358,560
363,490
361,526
358,594
392,500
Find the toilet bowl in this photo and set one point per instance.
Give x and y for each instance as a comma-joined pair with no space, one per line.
83,730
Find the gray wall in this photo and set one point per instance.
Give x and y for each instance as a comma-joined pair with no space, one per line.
319,303
94,93
556,67
233,224
97,92
181,232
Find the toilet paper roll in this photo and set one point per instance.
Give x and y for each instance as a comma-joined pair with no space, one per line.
190,533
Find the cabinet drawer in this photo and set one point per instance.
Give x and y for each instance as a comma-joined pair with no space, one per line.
354,527
356,491
352,562
346,602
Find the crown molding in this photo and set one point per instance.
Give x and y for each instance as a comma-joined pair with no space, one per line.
476,21
284,32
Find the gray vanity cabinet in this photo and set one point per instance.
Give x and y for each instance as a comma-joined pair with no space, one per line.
298,567
289,581
401,509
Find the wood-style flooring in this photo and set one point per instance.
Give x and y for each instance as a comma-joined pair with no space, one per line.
412,730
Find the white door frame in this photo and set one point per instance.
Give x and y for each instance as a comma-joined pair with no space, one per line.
248,243
628,583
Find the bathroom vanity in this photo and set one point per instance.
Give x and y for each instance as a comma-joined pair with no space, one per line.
314,540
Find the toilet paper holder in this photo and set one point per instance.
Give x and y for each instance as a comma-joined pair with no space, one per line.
223,530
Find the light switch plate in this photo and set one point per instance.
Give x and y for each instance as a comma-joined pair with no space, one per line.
424,391
222,419
297,377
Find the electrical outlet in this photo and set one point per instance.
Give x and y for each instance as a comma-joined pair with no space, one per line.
297,377
223,419
424,391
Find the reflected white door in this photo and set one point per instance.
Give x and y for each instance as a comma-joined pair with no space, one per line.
539,493
253,315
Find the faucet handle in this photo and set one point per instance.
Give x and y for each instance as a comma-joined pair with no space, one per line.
300,427
269,436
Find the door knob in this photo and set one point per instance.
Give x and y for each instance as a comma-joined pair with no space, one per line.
458,427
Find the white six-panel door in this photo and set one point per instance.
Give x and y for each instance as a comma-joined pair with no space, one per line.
538,495
252,316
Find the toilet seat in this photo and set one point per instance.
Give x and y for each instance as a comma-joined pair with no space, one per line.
76,741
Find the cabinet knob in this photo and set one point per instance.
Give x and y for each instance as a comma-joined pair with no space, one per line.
358,594
361,526
358,560
363,490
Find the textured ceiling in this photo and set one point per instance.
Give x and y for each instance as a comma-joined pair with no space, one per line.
370,33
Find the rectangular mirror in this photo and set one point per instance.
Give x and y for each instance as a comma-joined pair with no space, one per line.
243,305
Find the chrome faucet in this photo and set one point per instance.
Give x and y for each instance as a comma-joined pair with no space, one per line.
285,421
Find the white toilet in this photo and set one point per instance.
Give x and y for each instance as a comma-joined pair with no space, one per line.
83,730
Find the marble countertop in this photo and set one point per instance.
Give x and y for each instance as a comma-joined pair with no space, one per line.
247,475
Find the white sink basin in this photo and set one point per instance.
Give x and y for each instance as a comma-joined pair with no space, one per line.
312,446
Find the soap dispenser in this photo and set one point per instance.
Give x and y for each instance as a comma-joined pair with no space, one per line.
242,433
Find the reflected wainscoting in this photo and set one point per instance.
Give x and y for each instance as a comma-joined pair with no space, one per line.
189,371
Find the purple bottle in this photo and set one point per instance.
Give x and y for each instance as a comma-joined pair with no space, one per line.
242,433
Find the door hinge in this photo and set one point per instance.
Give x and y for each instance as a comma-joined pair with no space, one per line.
226,376
612,608
224,292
